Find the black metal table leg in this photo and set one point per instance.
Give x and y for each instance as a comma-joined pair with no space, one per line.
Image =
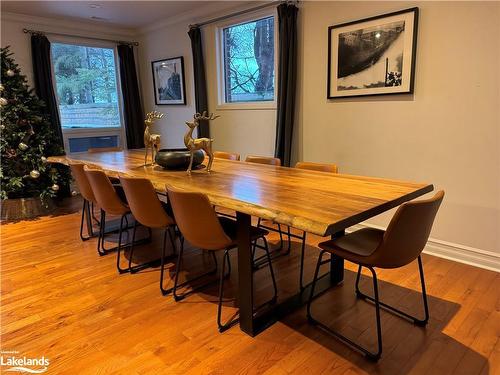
337,263
245,274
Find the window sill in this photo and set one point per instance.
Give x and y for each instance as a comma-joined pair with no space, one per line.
246,106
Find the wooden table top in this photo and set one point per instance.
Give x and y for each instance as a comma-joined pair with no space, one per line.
316,202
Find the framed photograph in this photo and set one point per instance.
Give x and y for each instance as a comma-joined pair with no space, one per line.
168,81
373,56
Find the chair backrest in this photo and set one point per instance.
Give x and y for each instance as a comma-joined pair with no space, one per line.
263,160
105,193
407,233
197,220
227,155
144,203
321,167
94,150
82,181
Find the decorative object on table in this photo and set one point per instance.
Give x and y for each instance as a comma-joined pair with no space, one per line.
168,81
194,144
373,56
151,141
179,158
26,140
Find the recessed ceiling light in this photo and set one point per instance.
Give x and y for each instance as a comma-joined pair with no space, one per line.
95,6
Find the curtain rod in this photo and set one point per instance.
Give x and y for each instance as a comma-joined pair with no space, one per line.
221,18
34,32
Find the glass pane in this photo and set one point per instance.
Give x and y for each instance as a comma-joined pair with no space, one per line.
86,86
249,61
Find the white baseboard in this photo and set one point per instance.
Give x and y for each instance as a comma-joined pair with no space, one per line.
457,252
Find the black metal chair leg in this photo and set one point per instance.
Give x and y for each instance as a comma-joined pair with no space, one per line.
415,320
374,356
134,230
178,297
232,321
302,254
163,251
271,270
120,270
84,212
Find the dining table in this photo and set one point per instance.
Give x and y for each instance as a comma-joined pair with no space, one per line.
320,203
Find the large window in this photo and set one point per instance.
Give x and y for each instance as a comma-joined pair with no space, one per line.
87,93
247,55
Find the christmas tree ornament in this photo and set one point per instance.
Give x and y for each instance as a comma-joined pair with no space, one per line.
43,159
55,187
34,173
2,87
74,193
10,73
3,101
22,146
22,122
2,126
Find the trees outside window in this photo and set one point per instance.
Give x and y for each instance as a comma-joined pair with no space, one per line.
248,58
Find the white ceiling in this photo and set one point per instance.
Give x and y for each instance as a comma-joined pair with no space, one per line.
126,14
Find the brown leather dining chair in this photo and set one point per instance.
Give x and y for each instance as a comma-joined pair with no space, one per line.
94,150
263,160
150,212
200,225
276,162
402,243
319,167
110,203
227,155
89,200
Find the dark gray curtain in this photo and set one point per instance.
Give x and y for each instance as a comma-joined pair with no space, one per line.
287,78
200,83
44,88
132,108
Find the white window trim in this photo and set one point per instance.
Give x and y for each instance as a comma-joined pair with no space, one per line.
92,132
219,61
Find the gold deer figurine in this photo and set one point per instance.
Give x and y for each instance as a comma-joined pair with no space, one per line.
204,144
151,141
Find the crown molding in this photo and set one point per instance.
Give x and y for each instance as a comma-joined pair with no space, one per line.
199,15
79,27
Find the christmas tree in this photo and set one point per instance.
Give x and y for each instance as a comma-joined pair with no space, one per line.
26,140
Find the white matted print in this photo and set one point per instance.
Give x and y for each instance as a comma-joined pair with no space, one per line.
168,81
373,56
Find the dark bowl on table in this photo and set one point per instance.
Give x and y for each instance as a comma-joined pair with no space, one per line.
178,158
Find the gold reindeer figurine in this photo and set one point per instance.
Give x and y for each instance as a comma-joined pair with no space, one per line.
193,144
151,141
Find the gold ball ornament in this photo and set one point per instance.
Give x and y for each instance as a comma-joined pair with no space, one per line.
34,173
44,159
55,187
2,87
10,73
22,146
74,193
3,101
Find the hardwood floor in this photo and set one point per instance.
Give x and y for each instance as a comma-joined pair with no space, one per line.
61,300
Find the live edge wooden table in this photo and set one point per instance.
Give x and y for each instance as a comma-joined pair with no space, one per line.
315,202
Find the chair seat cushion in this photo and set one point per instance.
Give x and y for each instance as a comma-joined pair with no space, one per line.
231,228
356,246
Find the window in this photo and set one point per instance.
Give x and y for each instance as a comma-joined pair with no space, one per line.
87,92
248,63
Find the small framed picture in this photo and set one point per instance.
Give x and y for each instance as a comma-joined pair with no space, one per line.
373,56
168,81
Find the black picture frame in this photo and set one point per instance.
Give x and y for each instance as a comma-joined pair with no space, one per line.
176,96
357,49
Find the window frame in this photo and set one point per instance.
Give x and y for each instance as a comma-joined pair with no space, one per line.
92,132
219,61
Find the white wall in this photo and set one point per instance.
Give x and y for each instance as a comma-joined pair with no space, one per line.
20,43
447,133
